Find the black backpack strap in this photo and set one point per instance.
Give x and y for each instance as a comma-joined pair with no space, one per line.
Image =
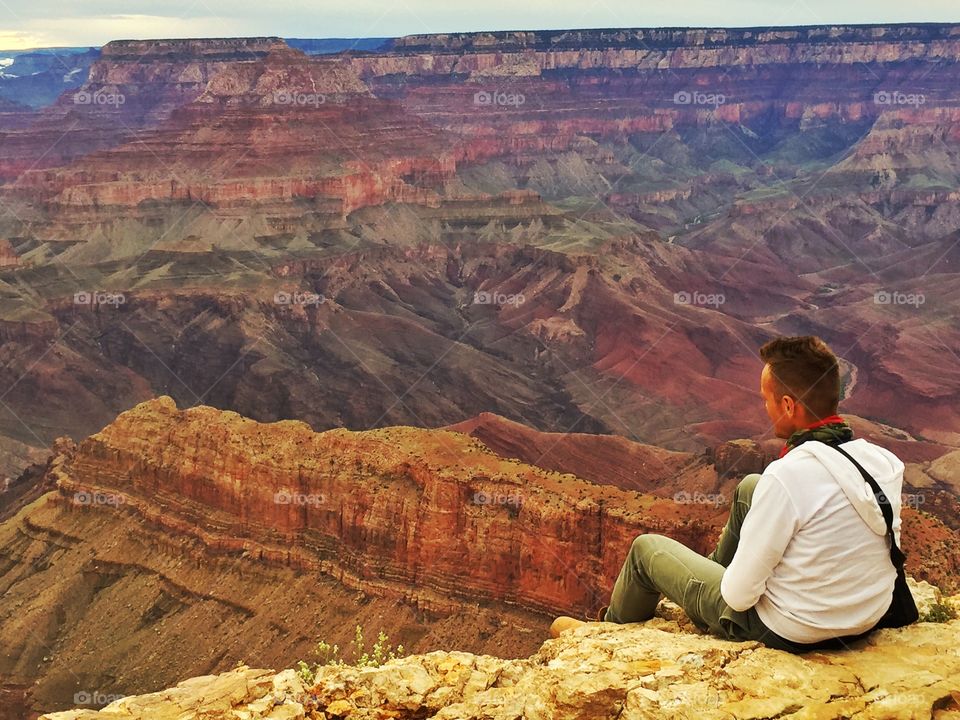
886,509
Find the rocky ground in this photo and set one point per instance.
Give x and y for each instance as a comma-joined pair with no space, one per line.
659,669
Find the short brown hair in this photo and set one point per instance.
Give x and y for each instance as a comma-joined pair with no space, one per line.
806,369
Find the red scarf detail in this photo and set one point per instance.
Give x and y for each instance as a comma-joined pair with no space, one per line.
825,421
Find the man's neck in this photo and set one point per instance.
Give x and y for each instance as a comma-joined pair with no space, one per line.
819,423
833,419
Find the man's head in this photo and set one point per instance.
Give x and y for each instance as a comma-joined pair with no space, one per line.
800,382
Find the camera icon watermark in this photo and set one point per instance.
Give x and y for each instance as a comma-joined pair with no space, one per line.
886,297
494,297
484,98
290,497
298,297
98,98
699,299
897,97
695,97
94,297
299,99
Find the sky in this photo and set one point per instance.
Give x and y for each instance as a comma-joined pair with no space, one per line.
49,23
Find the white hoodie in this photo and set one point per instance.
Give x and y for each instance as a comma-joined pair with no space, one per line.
813,554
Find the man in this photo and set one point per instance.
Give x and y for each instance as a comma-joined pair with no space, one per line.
803,560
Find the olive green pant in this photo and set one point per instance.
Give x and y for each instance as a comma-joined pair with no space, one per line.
658,565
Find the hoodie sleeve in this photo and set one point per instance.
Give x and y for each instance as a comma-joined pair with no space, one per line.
766,531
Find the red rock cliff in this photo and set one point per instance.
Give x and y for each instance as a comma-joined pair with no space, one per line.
429,515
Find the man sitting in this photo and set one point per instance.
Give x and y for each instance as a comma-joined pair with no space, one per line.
804,559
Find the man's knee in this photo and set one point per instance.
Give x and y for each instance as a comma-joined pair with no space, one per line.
644,545
745,488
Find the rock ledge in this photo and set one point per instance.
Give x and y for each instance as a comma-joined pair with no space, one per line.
601,670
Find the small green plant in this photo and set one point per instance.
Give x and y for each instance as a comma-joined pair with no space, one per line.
381,652
305,672
329,654
940,612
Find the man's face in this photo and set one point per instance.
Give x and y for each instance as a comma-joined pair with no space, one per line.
782,409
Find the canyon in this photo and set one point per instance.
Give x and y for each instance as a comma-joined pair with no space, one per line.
636,224
177,542
419,335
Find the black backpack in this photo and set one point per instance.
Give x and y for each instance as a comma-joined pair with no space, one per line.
903,609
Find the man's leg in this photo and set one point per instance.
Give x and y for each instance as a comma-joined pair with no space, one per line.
660,565
730,536
657,565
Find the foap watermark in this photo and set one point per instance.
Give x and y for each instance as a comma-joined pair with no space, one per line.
304,297
96,297
86,697
887,297
698,498
699,298
494,297
898,97
695,97
692,697
98,98
299,99
912,500
482,497
289,497
96,497
497,98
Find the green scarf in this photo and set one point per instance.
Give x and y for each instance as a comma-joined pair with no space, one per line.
833,429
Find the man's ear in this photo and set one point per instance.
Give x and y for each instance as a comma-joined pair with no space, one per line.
789,405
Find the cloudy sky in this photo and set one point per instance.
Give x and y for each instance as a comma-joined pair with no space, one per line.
45,23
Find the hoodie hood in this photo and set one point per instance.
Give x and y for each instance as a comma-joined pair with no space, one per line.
886,468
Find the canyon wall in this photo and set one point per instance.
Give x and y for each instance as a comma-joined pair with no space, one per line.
163,545
392,509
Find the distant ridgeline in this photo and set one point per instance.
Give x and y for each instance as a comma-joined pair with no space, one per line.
326,46
660,38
